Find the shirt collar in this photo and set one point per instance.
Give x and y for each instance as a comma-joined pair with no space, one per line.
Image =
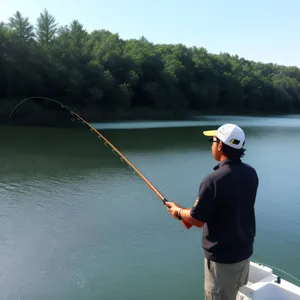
227,161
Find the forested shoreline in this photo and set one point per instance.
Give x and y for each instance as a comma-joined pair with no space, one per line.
103,77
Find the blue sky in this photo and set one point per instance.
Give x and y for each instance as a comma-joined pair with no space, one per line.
265,30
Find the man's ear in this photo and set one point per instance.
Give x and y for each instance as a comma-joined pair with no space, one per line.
220,146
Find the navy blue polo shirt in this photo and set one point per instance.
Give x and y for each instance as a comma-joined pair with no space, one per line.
225,203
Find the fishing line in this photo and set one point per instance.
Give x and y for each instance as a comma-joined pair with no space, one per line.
106,142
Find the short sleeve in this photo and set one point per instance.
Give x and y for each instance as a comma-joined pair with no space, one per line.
205,202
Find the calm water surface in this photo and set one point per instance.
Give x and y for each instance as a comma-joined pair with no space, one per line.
76,223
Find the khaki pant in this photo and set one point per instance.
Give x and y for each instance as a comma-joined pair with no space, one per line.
222,281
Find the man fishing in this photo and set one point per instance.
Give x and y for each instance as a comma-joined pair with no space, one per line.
224,209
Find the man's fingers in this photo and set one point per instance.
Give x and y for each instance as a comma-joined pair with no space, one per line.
169,204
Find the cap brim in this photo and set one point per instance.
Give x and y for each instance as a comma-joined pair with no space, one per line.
210,132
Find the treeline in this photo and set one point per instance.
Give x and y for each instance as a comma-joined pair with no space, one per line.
100,72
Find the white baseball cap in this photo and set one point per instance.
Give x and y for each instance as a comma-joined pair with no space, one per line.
230,134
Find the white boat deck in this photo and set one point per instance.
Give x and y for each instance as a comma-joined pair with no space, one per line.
264,285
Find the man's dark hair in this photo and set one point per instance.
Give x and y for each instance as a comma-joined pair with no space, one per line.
232,153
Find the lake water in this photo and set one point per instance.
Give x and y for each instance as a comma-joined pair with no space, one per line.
76,223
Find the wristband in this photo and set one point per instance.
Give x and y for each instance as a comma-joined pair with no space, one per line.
179,216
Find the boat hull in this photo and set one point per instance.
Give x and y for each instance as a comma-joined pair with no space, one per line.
264,284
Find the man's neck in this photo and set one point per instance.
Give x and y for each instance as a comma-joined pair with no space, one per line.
223,157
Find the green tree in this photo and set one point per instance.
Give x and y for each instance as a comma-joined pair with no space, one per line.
46,28
21,26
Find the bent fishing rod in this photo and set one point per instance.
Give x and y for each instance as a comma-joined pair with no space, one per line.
106,142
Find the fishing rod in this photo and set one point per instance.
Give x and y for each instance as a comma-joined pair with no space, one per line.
106,142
